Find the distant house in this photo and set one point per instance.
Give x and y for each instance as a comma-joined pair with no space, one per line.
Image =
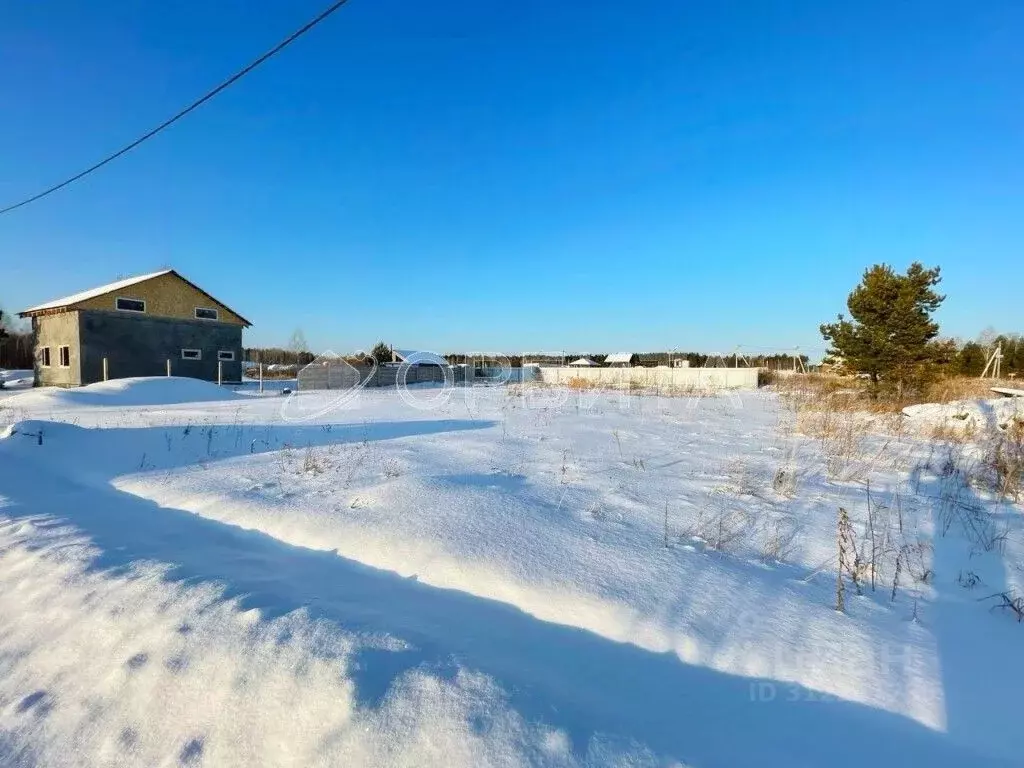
417,357
622,360
133,327
583,362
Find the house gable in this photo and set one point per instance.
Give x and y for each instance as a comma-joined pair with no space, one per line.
166,294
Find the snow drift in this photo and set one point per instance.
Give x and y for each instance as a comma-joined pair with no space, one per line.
967,416
143,390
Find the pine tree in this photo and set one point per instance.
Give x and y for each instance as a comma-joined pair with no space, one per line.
890,336
381,352
971,359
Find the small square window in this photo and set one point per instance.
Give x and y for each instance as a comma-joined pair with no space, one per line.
205,313
226,354
191,354
130,305
64,355
44,357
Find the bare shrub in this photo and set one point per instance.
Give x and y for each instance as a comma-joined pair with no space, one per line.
741,481
1008,601
579,383
728,528
778,542
720,529
784,481
958,504
952,388
314,463
1004,458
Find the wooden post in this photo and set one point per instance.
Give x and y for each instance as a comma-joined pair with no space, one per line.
106,370
168,366
261,378
220,372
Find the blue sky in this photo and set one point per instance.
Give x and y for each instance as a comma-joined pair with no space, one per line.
533,175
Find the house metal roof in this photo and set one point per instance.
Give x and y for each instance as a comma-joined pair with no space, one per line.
619,357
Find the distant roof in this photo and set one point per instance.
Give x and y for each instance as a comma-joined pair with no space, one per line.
620,357
417,356
583,362
92,293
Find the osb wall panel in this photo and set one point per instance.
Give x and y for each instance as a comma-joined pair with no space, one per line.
165,296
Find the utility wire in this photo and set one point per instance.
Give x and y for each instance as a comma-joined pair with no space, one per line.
194,105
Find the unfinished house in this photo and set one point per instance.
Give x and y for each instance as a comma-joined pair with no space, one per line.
142,326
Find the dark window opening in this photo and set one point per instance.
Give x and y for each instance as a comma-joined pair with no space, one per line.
131,305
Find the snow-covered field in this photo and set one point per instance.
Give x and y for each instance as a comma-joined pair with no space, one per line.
191,576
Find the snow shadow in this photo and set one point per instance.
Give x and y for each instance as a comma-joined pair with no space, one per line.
981,692
112,451
568,678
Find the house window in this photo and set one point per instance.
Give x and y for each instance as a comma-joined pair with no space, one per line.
130,305
205,313
64,355
191,354
44,357
226,354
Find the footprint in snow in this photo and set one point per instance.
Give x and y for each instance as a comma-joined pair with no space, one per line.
137,661
128,737
38,703
191,753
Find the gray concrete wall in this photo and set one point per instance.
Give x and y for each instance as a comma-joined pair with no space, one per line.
139,345
341,375
55,331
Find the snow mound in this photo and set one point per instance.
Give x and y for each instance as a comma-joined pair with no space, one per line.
967,416
151,390
16,379
17,375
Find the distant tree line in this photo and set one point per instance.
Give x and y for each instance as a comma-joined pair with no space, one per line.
276,356
15,344
645,359
969,358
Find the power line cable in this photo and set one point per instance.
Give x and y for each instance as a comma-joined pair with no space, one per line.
194,105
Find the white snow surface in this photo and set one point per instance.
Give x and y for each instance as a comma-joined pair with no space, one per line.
500,580
149,391
967,415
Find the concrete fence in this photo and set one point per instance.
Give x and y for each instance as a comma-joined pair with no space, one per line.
344,376
340,375
681,379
